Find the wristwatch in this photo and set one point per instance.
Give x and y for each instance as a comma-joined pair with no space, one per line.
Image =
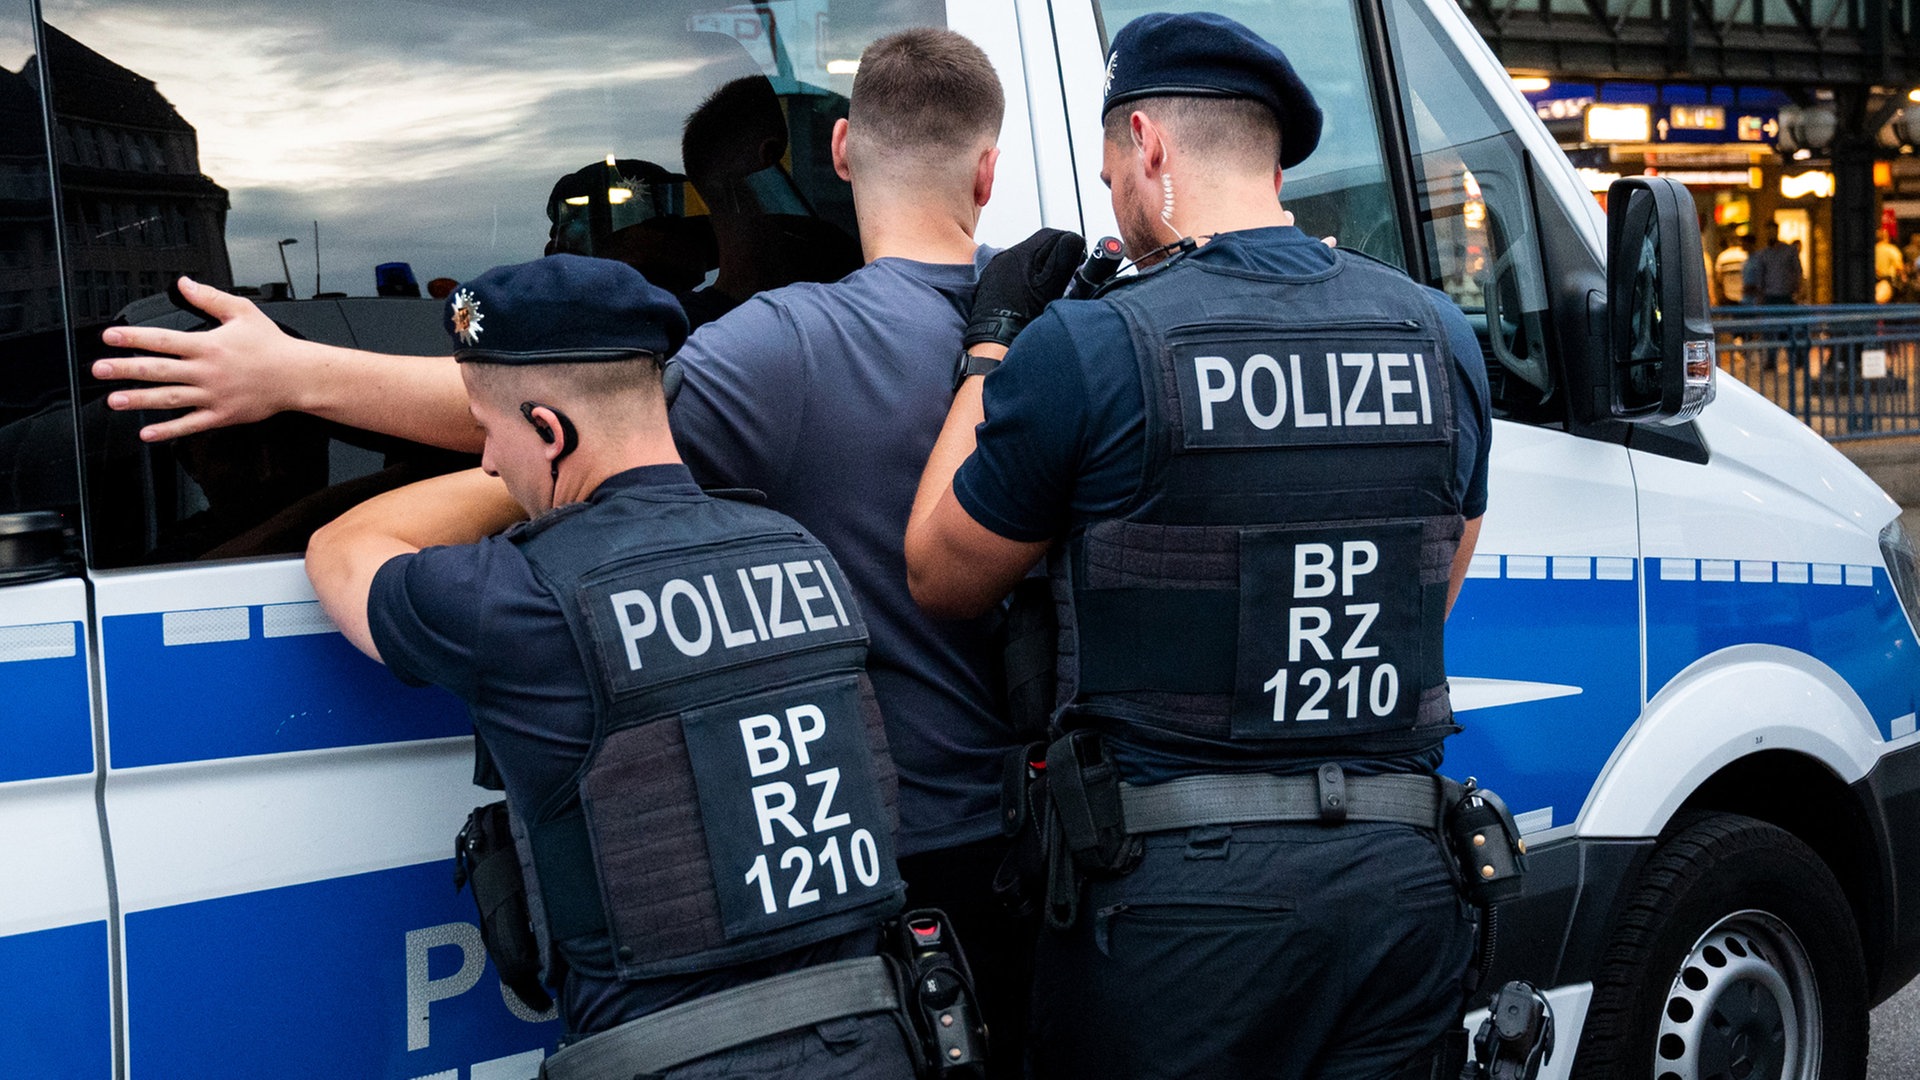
969,364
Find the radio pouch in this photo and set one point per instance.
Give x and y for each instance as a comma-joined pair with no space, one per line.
484,857
1487,843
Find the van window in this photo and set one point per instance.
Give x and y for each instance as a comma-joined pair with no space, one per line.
38,469
346,162
1476,206
1342,190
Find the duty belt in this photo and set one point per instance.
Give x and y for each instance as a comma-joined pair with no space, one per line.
1326,795
674,1036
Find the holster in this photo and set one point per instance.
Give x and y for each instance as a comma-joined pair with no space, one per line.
484,857
942,1008
1486,841
1087,837
1020,880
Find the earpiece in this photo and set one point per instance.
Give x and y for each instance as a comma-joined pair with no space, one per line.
539,426
1166,205
569,438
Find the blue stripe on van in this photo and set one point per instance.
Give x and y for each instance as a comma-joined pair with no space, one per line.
58,1020
312,980
224,691
1848,617
1561,621
46,721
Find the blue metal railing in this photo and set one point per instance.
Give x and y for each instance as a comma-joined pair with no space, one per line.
1847,370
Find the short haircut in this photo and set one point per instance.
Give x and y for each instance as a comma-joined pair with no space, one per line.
1238,133
601,394
927,91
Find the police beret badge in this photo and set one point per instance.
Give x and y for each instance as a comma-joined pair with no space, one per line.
564,309
466,316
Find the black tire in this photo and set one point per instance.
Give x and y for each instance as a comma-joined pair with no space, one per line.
1736,957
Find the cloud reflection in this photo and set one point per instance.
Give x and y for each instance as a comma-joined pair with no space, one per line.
427,132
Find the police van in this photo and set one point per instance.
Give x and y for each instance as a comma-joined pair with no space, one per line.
1685,653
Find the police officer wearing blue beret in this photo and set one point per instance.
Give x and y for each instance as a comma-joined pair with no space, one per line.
1257,469
671,686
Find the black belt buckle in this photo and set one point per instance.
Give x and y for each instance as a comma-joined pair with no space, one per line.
1330,784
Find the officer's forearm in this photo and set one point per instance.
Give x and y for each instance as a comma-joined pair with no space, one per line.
957,567
458,508
344,556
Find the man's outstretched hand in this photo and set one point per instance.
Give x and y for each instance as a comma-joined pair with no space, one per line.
235,373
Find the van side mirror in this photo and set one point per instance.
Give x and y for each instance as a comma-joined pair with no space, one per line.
1659,346
35,546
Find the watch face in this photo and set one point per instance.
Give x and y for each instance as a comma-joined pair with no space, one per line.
969,364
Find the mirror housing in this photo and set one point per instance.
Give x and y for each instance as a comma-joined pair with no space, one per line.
1660,357
34,546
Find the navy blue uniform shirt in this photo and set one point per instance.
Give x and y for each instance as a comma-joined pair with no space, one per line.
473,618
1064,443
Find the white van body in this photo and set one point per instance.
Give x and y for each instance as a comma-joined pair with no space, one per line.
225,837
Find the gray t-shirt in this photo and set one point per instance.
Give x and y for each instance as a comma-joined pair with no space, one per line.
828,398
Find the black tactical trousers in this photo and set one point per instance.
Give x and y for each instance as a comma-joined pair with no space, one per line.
1291,951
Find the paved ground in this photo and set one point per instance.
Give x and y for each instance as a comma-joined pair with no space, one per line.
1895,1051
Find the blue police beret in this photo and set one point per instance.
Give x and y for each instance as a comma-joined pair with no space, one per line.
1206,55
563,309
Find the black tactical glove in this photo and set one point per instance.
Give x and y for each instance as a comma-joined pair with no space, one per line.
1020,282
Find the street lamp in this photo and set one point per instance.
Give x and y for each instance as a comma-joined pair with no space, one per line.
287,273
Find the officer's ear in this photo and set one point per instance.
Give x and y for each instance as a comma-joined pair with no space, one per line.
1151,140
553,427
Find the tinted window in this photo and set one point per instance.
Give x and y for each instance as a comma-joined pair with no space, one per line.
373,152
1342,189
37,469
1476,203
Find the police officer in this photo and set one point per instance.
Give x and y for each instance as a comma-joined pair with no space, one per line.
670,684
1257,468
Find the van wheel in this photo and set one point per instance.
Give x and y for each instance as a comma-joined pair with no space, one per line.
1735,958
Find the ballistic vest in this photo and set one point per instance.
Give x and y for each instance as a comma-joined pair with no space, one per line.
1281,573
737,801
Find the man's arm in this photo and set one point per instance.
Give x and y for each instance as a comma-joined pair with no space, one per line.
248,369
342,557
957,567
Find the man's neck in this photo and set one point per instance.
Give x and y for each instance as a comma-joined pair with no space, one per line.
580,478
1212,211
900,229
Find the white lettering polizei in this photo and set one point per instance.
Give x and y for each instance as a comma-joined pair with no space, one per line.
1205,369
1263,390
631,632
